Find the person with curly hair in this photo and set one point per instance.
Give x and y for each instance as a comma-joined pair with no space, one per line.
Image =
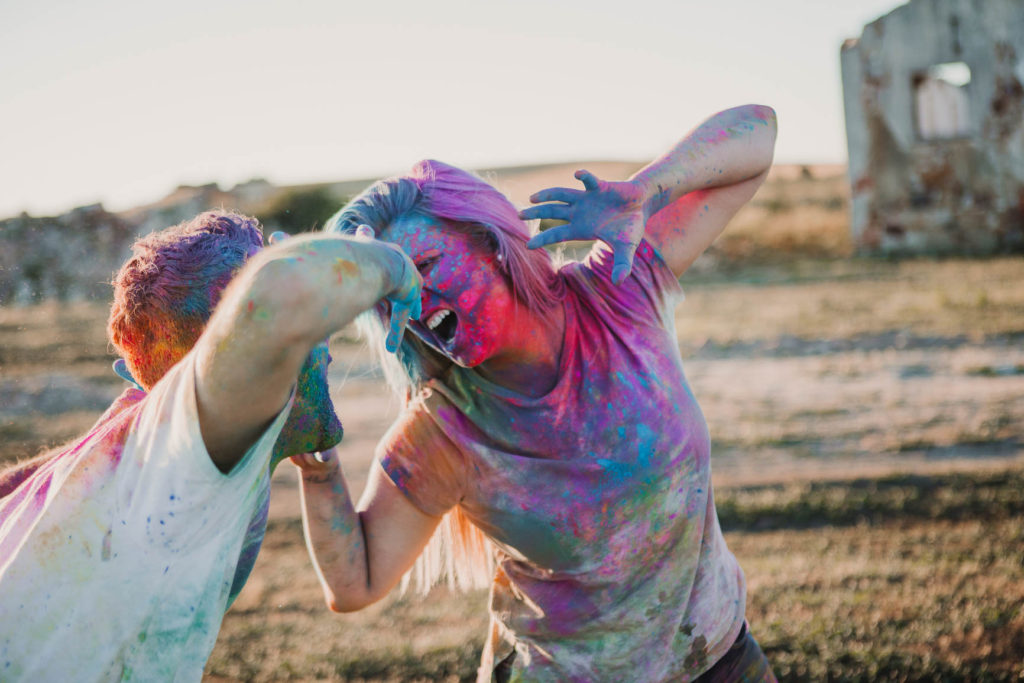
120,552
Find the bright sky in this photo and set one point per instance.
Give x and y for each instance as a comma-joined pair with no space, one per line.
120,101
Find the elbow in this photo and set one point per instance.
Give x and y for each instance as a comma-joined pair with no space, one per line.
769,122
760,116
348,594
338,607
349,601
765,129
766,115
345,607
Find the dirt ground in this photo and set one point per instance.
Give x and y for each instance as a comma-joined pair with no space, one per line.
867,420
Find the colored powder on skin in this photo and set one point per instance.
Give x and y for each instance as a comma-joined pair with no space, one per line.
341,521
344,268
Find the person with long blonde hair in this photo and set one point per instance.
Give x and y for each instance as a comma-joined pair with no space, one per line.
548,429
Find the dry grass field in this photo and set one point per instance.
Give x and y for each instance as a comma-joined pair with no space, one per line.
867,419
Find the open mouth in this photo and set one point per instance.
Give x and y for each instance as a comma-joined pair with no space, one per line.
443,323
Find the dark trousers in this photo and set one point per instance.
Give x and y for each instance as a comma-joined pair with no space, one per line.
743,663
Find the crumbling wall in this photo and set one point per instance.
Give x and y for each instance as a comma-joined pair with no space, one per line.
913,193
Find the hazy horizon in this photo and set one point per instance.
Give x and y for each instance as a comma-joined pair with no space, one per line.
114,103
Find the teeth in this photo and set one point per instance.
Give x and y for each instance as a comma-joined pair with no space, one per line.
436,319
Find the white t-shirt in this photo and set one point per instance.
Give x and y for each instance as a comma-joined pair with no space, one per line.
117,556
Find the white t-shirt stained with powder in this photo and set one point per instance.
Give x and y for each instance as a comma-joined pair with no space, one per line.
117,556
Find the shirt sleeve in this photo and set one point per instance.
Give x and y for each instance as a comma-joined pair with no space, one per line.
169,491
648,296
425,465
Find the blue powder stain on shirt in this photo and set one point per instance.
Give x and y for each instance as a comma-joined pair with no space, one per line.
619,471
250,545
622,432
646,442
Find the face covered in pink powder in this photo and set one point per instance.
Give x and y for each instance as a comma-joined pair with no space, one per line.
467,303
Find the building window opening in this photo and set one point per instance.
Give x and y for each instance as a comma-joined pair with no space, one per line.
942,109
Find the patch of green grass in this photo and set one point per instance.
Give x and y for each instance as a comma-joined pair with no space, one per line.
905,497
995,371
905,578
827,660
441,664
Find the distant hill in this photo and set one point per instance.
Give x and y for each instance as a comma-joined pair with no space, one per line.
72,256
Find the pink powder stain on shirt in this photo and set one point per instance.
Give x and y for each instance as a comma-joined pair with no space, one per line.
599,489
73,474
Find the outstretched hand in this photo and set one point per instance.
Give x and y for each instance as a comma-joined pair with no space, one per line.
405,299
612,212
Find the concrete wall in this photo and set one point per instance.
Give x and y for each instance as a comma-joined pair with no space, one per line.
962,194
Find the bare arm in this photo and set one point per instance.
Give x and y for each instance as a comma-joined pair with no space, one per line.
286,300
692,192
359,555
680,202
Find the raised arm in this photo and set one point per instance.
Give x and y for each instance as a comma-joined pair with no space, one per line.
680,202
286,300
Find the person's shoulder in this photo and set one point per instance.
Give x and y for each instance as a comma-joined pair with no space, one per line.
600,260
423,420
644,297
130,398
423,406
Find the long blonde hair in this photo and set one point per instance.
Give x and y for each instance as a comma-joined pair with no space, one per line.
459,552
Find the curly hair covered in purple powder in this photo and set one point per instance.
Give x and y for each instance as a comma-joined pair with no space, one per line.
165,293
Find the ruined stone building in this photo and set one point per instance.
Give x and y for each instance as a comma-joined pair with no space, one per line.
935,128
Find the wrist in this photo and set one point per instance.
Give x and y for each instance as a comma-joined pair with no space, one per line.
653,196
322,475
401,271
396,269
318,468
